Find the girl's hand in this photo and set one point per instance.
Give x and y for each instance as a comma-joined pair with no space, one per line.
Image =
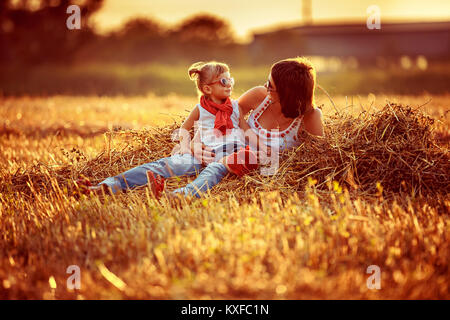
180,150
202,153
184,149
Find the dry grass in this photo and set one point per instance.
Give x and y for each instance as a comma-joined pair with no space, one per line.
374,192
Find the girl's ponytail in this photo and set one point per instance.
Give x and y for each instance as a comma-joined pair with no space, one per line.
195,71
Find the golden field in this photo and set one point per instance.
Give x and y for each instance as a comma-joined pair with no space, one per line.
289,236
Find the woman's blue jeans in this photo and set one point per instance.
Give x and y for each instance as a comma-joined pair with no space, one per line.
176,165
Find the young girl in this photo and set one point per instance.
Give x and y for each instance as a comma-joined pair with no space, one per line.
218,119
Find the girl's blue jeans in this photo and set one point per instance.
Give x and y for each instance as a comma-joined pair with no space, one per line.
176,165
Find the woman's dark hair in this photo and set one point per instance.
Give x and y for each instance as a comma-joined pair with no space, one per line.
295,80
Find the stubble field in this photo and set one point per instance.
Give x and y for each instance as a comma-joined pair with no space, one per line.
373,192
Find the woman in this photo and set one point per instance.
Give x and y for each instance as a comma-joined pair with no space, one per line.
280,109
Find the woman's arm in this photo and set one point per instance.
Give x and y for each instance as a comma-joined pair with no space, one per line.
251,99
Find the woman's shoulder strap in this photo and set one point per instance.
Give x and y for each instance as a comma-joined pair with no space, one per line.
262,104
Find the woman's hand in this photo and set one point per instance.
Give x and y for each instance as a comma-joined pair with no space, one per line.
202,153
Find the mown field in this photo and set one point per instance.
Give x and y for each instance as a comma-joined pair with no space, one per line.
374,192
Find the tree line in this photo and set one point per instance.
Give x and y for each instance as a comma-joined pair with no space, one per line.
34,33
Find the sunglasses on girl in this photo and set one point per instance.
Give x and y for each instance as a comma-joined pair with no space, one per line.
225,82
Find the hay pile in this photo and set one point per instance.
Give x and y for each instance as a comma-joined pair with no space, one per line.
393,146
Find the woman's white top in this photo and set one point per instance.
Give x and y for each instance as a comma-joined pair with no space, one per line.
212,137
276,139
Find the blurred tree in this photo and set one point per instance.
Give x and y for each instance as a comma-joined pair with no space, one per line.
143,40
201,37
35,31
141,28
138,40
204,28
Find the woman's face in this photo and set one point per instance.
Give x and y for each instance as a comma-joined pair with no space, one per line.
271,89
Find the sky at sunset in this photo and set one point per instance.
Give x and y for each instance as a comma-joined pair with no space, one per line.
246,16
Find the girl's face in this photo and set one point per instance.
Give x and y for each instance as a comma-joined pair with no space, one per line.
220,87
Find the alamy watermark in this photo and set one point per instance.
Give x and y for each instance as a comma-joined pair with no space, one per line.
374,281
74,280
374,18
74,20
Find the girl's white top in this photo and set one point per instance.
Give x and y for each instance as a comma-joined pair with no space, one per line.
211,137
275,139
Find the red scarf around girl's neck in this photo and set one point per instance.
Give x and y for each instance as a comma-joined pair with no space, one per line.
222,112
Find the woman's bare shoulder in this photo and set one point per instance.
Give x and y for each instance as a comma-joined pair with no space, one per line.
316,114
252,98
313,122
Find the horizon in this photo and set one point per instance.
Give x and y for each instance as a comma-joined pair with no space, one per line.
270,15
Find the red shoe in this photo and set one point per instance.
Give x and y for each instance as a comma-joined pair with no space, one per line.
83,183
84,186
156,183
242,162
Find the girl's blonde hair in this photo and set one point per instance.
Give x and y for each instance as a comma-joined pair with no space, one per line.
204,72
